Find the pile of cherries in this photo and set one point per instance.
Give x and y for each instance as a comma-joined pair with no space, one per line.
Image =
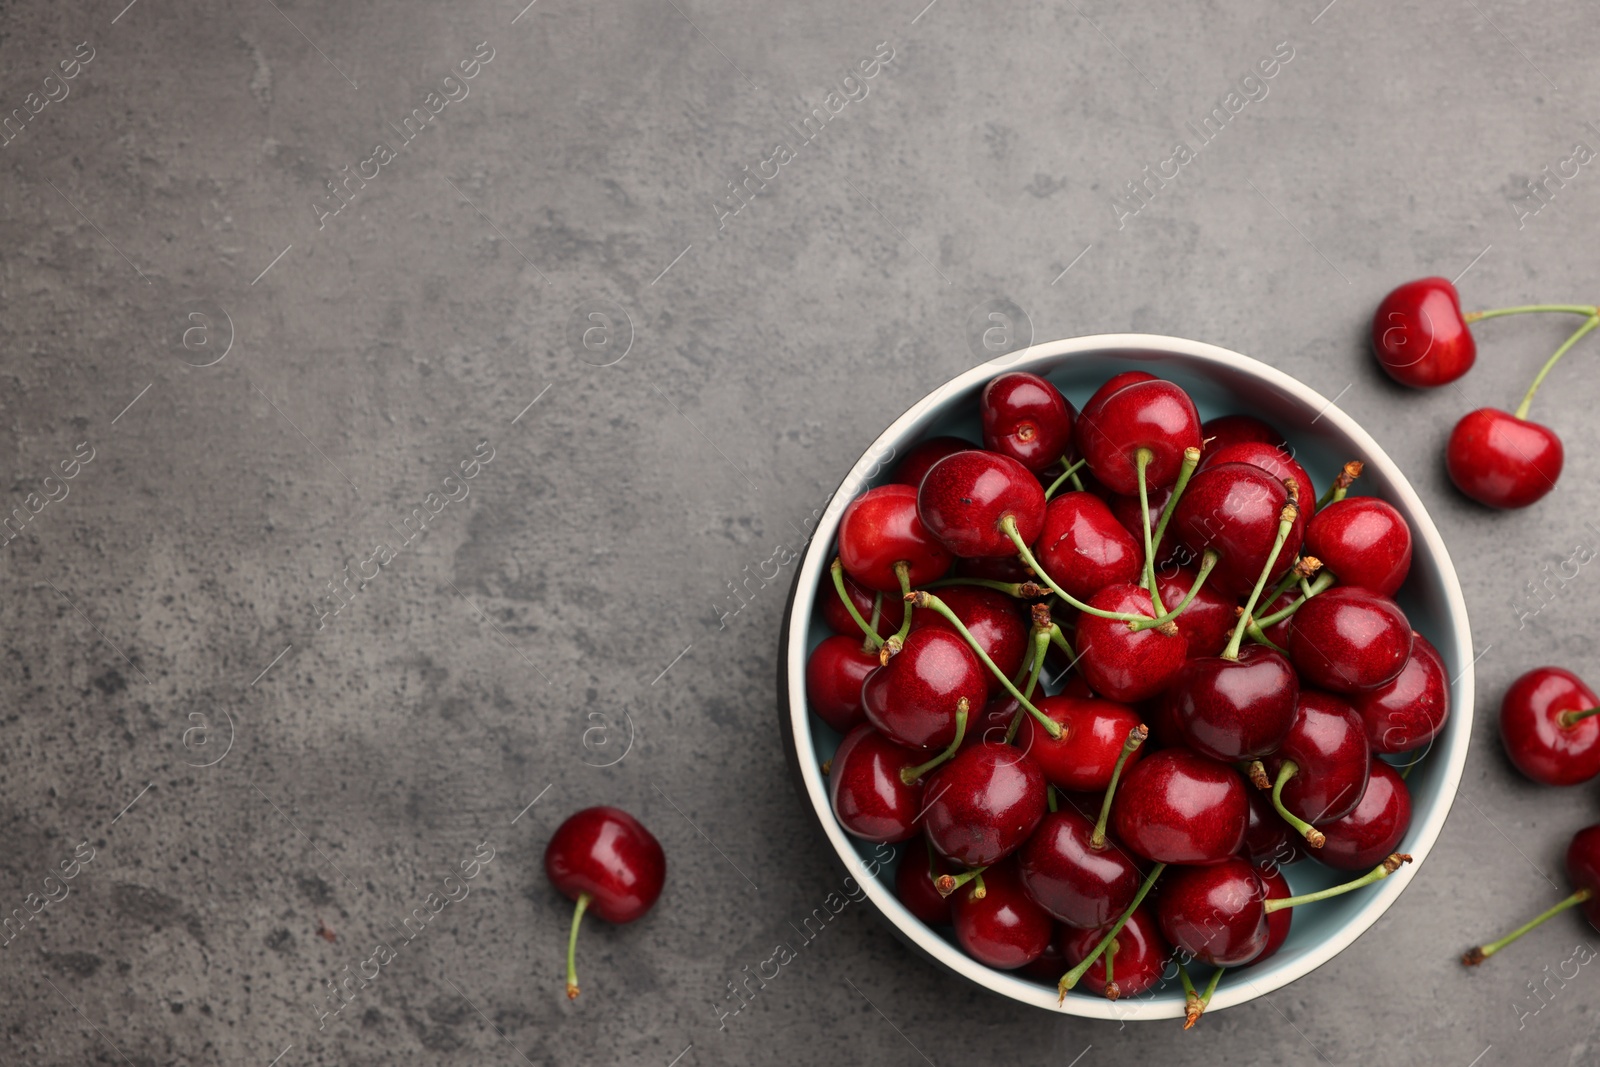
1421,339
1227,667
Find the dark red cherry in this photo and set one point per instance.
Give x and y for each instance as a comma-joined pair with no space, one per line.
1176,806
1420,336
913,699
1408,712
1092,735
983,804
1274,461
1359,840
1235,709
869,797
995,621
1077,884
965,497
1278,922
913,884
1004,928
606,860
891,611
1328,744
1157,416
1209,619
1124,664
1503,461
994,723
835,671
1278,632
1225,430
1267,838
1138,962
1216,913
911,470
1113,385
1234,509
1583,869
1051,964
1007,569
879,529
1541,731
1364,541
1026,418
1346,639
1083,546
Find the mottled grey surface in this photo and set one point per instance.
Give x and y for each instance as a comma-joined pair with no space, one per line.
169,603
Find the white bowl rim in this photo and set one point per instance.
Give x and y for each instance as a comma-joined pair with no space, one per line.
1245,986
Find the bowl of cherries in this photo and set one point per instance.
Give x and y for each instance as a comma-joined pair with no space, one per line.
1146,660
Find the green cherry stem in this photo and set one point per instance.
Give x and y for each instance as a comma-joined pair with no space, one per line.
1059,639
1322,582
1020,590
1313,836
1191,460
1041,642
572,946
1571,309
1008,526
1112,990
1050,800
949,883
1136,736
1549,365
1377,874
1341,484
877,614
1572,718
1141,462
1196,1004
871,630
1207,562
927,600
1473,957
909,775
1285,524
1070,472
1072,977
902,571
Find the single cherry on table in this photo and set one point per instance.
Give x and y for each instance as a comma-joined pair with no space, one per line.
1420,336
603,858
1583,871
1549,727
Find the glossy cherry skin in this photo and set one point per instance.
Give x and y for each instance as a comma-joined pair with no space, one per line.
1583,869
983,804
1026,418
914,885
1155,415
1215,913
1113,385
1364,541
965,497
1208,621
1122,664
914,698
1004,929
1328,743
1225,430
869,799
879,529
1235,509
1238,709
1408,712
608,854
911,470
1503,461
1141,955
1348,639
1084,548
1278,632
1076,884
1092,735
993,619
1274,461
1537,743
835,671
1267,838
1177,806
994,724
1051,964
1420,336
1359,840
891,612
1278,922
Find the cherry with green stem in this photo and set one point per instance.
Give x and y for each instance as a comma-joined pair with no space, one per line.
1314,837
1072,977
1285,523
1383,870
1152,540
870,629
1341,484
1323,581
1474,956
909,775
1583,871
924,599
1070,474
1136,737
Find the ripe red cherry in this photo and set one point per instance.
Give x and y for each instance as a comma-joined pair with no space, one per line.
1503,461
965,497
1347,639
914,698
1225,430
913,884
922,457
1234,509
869,797
835,671
1209,619
1408,712
1004,928
1235,709
1026,418
1364,541
1077,884
1092,735
1278,922
879,529
1278,632
1583,871
604,859
1123,664
891,611
1420,336
1361,839
1051,964
1113,385
1215,913
1139,955
1156,416
983,804
1274,461
1541,730
1267,838
1328,744
994,620
1177,806
1083,546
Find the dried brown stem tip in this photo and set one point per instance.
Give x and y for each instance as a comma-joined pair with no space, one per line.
1192,1010
1032,590
1113,991
572,992
1294,489
1307,566
1394,862
889,649
1288,513
1169,628
1041,616
827,767
1316,839
1472,957
1258,775
1351,472
945,884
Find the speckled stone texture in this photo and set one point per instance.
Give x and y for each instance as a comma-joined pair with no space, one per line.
283,404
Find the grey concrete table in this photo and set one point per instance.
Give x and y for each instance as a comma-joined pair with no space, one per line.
278,276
